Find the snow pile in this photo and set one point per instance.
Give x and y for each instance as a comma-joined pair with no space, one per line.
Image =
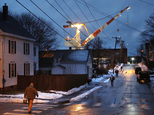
118,67
70,91
107,80
43,97
97,79
85,94
19,97
143,66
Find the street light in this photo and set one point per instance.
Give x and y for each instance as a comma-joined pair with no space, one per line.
132,59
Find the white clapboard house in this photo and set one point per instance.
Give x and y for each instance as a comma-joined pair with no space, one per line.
18,54
72,62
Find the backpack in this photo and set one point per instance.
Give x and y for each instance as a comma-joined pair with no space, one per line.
112,78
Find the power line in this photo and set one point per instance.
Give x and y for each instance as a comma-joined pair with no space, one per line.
91,13
82,12
76,16
100,18
95,19
87,18
103,13
50,17
72,10
56,9
63,11
146,2
38,18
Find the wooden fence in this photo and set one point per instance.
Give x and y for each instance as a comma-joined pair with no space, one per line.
52,82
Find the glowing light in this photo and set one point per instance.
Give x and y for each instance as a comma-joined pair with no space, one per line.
78,107
132,58
128,8
78,26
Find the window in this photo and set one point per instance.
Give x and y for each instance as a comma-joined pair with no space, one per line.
12,70
34,51
26,68
26,49
12,47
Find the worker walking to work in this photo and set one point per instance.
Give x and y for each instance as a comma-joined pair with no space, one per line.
30,94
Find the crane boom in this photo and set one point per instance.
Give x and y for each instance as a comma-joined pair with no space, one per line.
76,41
93,35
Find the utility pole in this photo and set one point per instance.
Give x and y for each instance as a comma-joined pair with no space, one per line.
121,51
116,38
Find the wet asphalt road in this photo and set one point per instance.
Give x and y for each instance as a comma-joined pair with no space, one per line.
127,97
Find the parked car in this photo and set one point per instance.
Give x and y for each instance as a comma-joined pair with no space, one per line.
137,69
143,76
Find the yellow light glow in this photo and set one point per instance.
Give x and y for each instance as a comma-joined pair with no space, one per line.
77,26
78,107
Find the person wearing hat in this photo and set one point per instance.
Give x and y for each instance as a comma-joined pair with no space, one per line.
30,94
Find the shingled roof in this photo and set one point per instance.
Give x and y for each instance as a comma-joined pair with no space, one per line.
72,55
13,27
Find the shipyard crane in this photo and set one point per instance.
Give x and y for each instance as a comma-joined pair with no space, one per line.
76,41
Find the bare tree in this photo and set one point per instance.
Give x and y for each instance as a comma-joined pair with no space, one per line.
148,34
43,32
96,43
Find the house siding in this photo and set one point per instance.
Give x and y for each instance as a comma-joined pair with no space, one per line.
1,61
57,70
75,68
18,58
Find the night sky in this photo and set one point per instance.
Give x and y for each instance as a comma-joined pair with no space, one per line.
94,13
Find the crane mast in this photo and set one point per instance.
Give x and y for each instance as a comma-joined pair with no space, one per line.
76,41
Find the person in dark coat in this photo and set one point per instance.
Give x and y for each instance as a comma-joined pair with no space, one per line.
30,94
112,78
117,71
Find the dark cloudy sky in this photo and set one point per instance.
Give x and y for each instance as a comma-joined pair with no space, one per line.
94,13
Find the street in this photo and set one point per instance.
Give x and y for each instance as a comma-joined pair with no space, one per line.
127,97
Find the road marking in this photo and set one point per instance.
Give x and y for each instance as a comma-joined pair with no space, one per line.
98,104
20,110
7,113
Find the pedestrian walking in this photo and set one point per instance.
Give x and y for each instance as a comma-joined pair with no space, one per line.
30,94
121,69
112,78
116,71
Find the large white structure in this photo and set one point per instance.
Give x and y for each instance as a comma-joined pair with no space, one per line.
18,54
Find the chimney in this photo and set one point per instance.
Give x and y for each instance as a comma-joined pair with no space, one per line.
5,12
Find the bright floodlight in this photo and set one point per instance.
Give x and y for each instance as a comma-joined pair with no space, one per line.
133,58
78,26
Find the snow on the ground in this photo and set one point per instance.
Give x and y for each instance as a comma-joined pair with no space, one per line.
143,66
85,94
70,91
152,75
152,82
46,97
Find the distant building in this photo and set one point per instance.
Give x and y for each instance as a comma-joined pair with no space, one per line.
151,51
105,57
45,62
67,62
18,52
